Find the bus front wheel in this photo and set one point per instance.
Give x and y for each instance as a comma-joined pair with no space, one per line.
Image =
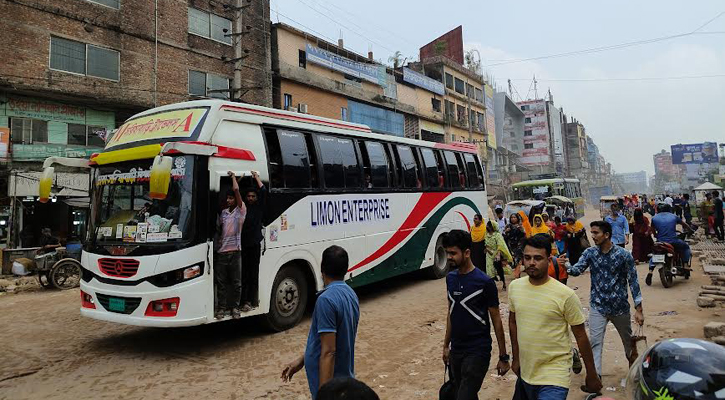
288,300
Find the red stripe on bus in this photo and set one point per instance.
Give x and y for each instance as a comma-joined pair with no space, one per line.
426,203
294,117
466,147
223,151
468,224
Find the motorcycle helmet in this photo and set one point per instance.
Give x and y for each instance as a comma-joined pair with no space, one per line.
679,369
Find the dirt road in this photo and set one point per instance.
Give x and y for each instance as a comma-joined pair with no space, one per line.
47,351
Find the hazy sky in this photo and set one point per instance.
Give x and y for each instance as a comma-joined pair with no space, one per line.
630,119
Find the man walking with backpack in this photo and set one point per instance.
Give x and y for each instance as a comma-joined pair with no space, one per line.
473,307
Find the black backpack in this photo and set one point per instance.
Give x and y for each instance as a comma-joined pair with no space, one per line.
448,391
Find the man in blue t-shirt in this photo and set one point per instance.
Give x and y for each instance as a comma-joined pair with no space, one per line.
330,350
664,227
472,298
620,226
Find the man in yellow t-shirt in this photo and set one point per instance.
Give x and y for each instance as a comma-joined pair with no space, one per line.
541,312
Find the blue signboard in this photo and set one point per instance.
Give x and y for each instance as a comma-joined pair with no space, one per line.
370,72
420,80
697,153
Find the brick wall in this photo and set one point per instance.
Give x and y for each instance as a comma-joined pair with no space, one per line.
319,102
129,30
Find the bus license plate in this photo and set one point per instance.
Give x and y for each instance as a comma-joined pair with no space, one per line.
116,304
658,258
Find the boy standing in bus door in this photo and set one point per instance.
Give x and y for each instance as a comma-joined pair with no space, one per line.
255,200
228,265
473,308
330,350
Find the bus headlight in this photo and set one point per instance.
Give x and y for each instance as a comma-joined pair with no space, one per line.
177,276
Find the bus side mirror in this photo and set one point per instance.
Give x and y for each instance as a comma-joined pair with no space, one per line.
160,177
46,182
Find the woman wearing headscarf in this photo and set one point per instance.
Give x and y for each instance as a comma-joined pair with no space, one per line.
496,253
548,222
478,247
575,233
525,223
514,234
642,242
539,226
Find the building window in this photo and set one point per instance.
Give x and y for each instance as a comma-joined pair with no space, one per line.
85,59
302,59
208,85
28,131
450,109
528,132
528,145
460,86
479,95
436,104
210,26
343,112
453,137
95,135
449,81
461,113
287,101
469,91
109,3
527,120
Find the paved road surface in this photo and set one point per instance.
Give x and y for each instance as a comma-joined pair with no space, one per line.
47,351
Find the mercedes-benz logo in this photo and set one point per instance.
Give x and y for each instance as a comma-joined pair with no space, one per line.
118,267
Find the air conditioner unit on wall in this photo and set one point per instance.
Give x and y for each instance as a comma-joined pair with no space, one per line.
302,108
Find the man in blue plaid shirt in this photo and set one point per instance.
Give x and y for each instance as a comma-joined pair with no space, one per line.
612,269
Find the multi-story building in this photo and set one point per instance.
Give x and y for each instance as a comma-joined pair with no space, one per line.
509,123
314,76
75,69
667,174
577,153
543,142
632,182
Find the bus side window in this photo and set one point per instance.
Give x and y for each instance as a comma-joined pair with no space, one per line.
353,179
295,159
462,171
331,162
399,167
431,168
276,177
441,169
473,180
418,168
392,166
480,172
409,167
314,172
454,179
378,164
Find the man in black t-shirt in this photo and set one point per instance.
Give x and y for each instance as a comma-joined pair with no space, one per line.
472,299
719,216
255,199
48,242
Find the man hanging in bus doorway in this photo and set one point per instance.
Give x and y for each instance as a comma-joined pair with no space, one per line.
228,260
255,199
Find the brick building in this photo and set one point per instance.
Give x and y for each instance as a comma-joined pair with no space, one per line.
75,69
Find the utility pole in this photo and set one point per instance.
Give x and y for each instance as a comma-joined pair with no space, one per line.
511,90
536,92
237,41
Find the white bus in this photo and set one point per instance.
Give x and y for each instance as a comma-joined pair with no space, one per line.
385,199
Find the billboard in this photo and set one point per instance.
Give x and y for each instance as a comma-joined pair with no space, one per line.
697,153
370,72
536,133
449,45
422,81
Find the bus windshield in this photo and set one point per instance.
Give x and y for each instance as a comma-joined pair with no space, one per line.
535,192
124,213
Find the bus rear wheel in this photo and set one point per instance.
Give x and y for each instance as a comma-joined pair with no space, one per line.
288,300
439,269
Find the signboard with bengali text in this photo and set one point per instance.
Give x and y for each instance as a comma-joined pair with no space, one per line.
370,72
422,81
697,153
166,125
45,110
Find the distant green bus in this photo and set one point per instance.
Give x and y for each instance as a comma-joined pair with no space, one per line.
540,189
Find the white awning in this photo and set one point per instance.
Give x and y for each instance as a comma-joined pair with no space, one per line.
708,186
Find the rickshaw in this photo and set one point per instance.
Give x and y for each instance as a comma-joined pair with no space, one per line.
562,205
529,207
605,205
58,269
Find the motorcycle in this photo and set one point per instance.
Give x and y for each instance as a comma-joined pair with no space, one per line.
669,263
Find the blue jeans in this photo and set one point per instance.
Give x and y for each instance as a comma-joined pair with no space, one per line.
524,391
681,247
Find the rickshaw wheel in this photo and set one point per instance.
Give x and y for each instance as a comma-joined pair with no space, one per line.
44,279
66,274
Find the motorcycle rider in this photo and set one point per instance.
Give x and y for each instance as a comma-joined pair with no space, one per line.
664,228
